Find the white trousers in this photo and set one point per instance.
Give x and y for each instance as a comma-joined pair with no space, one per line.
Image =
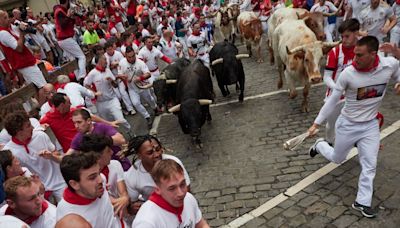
366,136
34,75
146,96
71,47
205,58
123,95
111,111
331,121
182,41
328,33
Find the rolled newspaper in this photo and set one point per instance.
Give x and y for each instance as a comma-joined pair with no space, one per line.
294,143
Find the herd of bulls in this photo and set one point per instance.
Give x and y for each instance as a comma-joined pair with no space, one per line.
295,42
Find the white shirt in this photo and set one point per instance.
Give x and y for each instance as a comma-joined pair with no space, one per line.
100,213
357,6
168,48
246,6
102,84
139,181
134,46
150,57
160,26
76,93
115,58
115,175
5,137
150,215
198,43
46,220
8,40
328,7
145,33
364,91
45,108
136,69
2,56
7,221
207,10
48,170
373,20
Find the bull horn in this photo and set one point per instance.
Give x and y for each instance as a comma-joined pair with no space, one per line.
175,108
171,81
330,44
147,86
242,56
217,61
205,102
162,77
294,50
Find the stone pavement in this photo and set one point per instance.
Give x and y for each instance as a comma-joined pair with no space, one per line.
243,165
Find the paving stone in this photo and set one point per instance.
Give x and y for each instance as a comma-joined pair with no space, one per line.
318,221
276,222
287,203
242,196
247,189
333,185
257,222
234,204
345,221
251,203
293,169
224,199
213,194
227,213
210,215
262,187
331,199
297,221
288,177
227,191
281,185
292,211
336,211
317,207
272,213
299,196
308,201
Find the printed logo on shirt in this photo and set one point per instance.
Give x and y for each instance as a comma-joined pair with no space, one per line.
372,91
186,225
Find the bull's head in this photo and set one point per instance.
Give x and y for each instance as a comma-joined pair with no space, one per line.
315,22
191,115
255,28
311,55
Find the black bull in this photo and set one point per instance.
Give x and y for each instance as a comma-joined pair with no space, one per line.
228,68
167,92
194,95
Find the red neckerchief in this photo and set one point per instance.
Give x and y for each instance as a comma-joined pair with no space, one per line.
161,202
62,86
73,198
29,220
101,69
25,144
376,63
106,172
348,53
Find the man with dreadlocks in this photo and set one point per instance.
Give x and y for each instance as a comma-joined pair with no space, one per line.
147,151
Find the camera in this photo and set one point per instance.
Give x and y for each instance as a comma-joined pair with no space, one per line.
29,28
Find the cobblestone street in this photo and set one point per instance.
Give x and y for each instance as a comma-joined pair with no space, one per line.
242,164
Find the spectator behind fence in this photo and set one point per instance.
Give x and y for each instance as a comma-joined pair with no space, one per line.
18,55
64,18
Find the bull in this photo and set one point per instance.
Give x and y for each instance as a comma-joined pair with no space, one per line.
227,65
194,96
224,25
251,31
165,85
298,54
314,21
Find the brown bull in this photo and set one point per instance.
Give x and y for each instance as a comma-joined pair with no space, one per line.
251,32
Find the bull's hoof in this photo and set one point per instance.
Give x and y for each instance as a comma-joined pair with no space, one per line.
260,61
199,146
280,84
305,108
241,97
292,94
272,62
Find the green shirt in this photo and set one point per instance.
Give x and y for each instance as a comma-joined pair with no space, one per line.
90,38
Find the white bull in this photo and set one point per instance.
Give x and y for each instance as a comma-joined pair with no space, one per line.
298,54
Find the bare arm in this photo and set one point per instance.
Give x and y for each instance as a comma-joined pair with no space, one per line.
101,120
20,42
202,224
120,204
